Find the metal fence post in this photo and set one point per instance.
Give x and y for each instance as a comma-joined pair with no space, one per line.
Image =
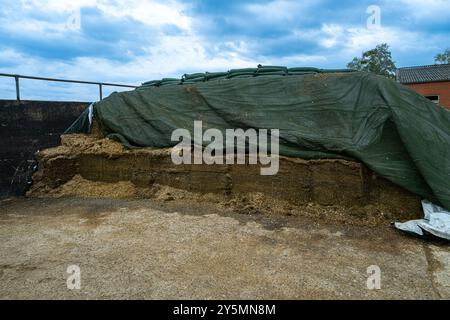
16,78
100,89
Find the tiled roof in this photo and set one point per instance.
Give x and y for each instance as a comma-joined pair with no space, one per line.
421,74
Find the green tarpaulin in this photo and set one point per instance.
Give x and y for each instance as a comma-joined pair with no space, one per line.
397,133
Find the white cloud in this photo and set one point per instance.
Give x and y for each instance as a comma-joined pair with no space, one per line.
354,40
300,59
278,10
150,12
9,55
174,56
332,34
436,10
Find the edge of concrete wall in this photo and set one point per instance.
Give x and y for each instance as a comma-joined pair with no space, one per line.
26,127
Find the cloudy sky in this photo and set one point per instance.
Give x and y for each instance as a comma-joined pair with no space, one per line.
131,41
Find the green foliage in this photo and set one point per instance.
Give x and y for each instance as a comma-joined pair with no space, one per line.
443,57
377,60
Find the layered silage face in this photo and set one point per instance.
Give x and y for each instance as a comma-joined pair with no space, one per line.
91,166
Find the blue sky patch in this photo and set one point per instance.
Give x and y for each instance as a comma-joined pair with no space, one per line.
133,41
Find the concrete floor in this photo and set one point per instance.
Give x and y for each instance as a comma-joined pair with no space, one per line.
149,250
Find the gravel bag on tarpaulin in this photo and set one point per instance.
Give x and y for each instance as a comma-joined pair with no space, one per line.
397,133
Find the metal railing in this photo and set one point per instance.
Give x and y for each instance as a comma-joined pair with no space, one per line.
99,84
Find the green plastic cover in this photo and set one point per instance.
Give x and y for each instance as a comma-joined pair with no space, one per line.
397,133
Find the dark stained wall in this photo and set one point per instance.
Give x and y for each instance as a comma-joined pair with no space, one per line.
26,127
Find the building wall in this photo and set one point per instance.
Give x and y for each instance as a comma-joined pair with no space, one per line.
26,127
441,89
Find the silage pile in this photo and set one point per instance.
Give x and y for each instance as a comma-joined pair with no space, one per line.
75,145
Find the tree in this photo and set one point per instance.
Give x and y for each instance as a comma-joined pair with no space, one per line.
443,57
377,60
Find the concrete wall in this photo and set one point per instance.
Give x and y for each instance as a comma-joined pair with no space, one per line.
441,89
26,127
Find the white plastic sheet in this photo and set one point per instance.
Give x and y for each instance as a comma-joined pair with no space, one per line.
436,221
91,113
